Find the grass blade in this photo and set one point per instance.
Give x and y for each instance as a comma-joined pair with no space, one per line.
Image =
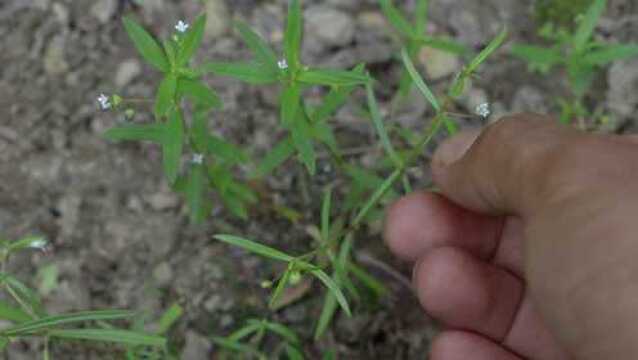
57,320
537,55
418,81
13,314
444,44
110,335
149,132
199,93
169,318
192,41
146,45
290,104
421,16
610,53
279,289
255,247
195,188
277,156
327,313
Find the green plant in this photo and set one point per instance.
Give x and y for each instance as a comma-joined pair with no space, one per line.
330,260
29,319
579,54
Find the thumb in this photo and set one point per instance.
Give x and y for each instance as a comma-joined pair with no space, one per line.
500,170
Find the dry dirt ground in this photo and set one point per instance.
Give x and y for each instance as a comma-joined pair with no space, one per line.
121,239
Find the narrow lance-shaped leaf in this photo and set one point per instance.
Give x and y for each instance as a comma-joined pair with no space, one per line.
146,45
13,314
610,53
380,127
292,37
275,157
332,77
195,191
199,93
109,335
290,104
335,98
588,24
444,44
58,320
301,133
165,98
333,288
169,318
537,55
251,73
191,41
282,284
421,16
255,247
396,19
172,145
418,81
283,331
487,52
325,215
262,51
149,132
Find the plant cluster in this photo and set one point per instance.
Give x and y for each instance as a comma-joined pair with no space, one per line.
183,108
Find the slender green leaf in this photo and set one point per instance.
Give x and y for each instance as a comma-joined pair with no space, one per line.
149,132
254,247
277,156
487,51
325,215
290,104
293,352
251,73
397,20
13,314
169,318
283,331
33,242
418,81
588,24
27,298
3,343
302,137
335,99
236,346
58,320
171,52
324,133
195,192
334,289
260,48
172,145
282,284
230,153
368,280
197,91
165,98
610,53
444,44
377,120
245,331
327,313
146,45
191,41
109,335
537,54
421,16
332,77
378,194
293,34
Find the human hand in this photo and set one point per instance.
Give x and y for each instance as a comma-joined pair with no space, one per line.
530,249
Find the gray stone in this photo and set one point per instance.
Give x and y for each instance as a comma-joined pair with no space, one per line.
623,87
126,72
162,200
103,10
218,18
54,57
529,99
331,26
197,347
438,63
163,274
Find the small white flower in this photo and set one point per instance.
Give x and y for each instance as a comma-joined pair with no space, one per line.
104,101
39,244
181,26
283,64
483,110
198,159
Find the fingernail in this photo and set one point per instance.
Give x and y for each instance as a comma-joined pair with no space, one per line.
454,148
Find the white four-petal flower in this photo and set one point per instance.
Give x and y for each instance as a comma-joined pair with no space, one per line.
105,104
39,244
181,26
483,110
283,64
197,159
